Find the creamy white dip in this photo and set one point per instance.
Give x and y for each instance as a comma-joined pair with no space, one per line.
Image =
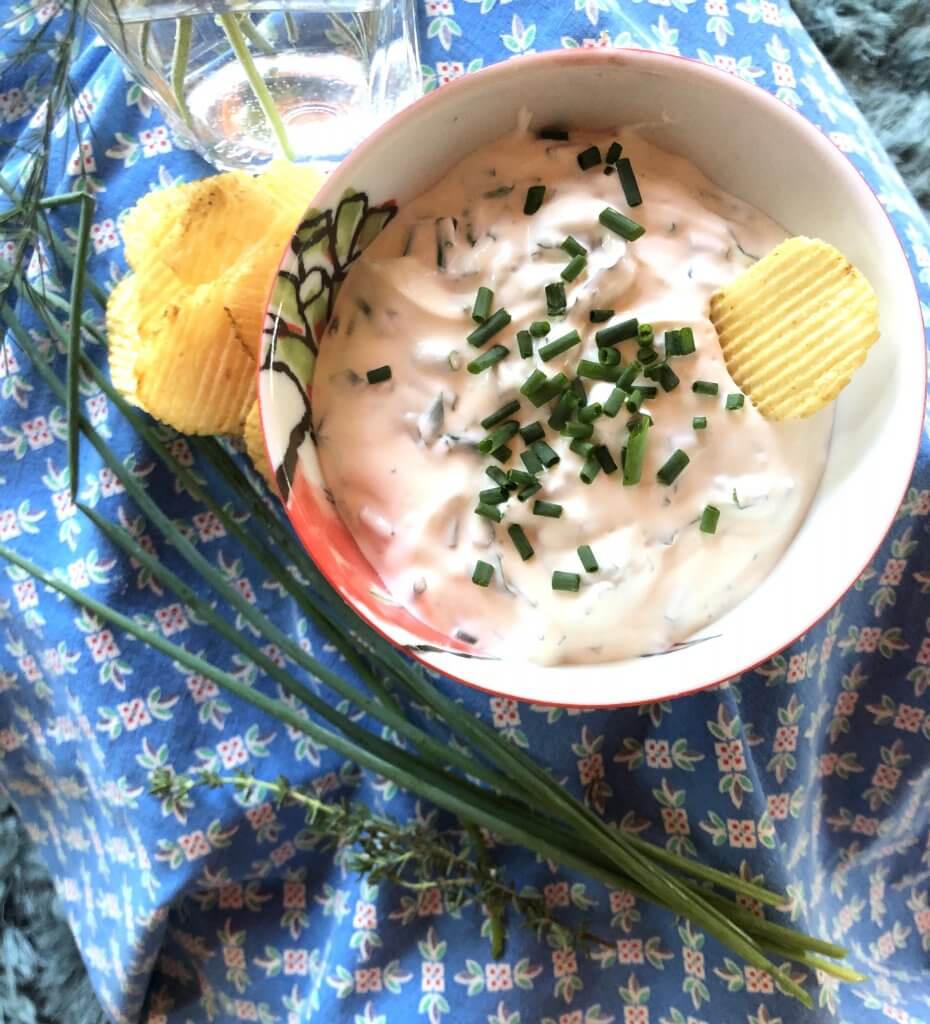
399,456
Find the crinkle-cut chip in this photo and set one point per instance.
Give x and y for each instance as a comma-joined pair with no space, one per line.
147,224
246,288
795,326
255,445
291,187
123,338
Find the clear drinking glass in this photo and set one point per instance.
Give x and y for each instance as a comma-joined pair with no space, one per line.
247,82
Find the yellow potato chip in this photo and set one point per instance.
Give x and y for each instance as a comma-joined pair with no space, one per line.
123,336
795,326
246,288
255,445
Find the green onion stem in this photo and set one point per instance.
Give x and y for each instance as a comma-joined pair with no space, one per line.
251,32
179,59
74,339
291,28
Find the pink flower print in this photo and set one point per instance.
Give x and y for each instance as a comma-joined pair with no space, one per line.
234,956
29,668
590,768
675,821
171,619
786,738
497,977
260,816
104,235
716,7
295,896
865,826
84,106
922,920
726,63
828,764
886,777
922,507
778,806
8,525
37,433
771,15
134,714
194,845
230,897
635,1015
109,482
885,945
208,527
448,70
601,43
232,752
366,916
202,689
694,962
9,365
630,951
657,754
572,1017
742,832
273,653
896,1013
564,962
430,903
246,1009
846,703
26,594
10,740
47,11
827,649
730,756
13,105
296,961
797,668
433,977
843,141
155,141
783,75
63,505
82,160
368,979
893,571
102,646
97,408
868,639
556,894
909,718
504,712
621,899
923,655
180,449
758,981
439,8
283,853
245,588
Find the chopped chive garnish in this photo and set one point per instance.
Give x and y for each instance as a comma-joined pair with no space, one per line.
646,334
502,454
709,518
685,341
555,298
581,447
573,247
532,432
614,401
705,387
575,428
564,408
539,328
498,476
594,371
646,356
668,378
735,401
600,316
628,183
493,495
379,374
587,558
672,343
497,321
549,509
483,574
535,380
500,435
625,380
507,409
488,511
590,469
546,392
532,461
608,357
567,581
574,267
634,455
520,541
527,492
623,226
535,195
521,478
605,459
613,152
591,412
555,348
699,423
546,455
553,134
673,466
488,359
581,396
635,400
482,307
524,344
616,333
608,169
589,158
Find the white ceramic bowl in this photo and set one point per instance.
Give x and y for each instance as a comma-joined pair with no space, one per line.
752,146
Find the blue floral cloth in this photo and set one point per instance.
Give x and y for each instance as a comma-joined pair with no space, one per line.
812,773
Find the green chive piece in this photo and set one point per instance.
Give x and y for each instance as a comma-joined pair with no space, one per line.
536,379
483,574
534,488
539,328
699,423
482,307
673,466
646,334
608,169
524,344
554,134
668,378
379,374
591,412
616,333
507,409
672,343
576,428
633,422
635,400
485,331
555,348
520,478
532,432
499,477
488,359
581,396
686,341
613,152
646,356
581,447
654,372
600,316
709,518
595,371
589,158
546,392
635,452
549,509
648,391
574,267
614,401
623,226
587,558
489,512
564,408
608,357
590,469
573,247
532,461
493,495
520,541
555,298
567,581
502,454
546,455
605,459
625,380
735,401
535,195
705,387
628,183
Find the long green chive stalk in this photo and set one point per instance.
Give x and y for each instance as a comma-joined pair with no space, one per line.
179,59
485,781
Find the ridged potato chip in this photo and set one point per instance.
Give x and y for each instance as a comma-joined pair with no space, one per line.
795,326
255,445
123,336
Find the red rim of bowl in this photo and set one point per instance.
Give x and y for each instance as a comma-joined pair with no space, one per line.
596,56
